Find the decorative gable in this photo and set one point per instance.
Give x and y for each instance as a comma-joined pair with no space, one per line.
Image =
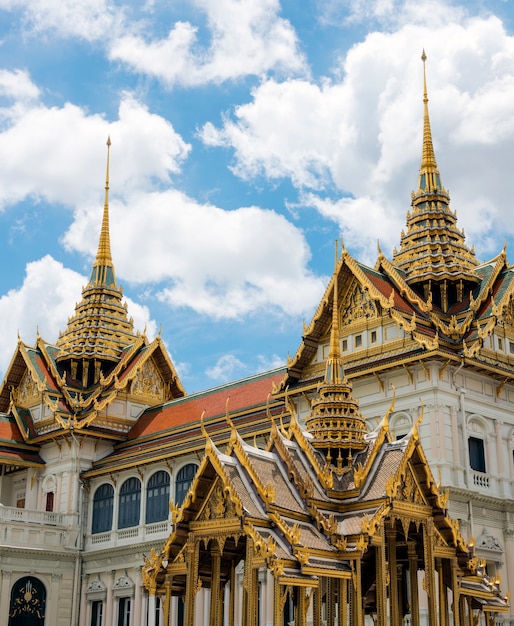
148,383
357,306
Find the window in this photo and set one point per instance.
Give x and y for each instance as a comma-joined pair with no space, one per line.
97,608
358,341
103,502
476,454
511,347
345,345
130,502
500,344
158,497
184,480
373,336
49,505
124,609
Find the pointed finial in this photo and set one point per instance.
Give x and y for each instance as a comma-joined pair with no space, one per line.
429,178
103,268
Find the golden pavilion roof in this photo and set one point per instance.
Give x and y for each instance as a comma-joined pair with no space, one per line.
433,248
100,328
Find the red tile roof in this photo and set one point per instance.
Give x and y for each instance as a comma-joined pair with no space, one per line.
240,395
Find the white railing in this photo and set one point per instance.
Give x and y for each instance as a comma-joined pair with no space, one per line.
48,518
480,480
38,529
148,532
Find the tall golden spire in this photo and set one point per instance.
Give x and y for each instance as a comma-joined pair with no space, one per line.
433,254
100,330
335,422
103,269
429,177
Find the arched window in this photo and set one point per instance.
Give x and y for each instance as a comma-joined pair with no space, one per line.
130,501
28,599
183,482
103,502
158,497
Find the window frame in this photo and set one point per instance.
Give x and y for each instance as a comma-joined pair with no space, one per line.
184,477
108,511
129,503
158,497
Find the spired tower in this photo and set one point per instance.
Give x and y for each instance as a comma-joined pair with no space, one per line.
100,331
433,254
335,422
100,375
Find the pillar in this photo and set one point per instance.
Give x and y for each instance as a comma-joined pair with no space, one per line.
455,593
192,554
413,578
5,596
109,598
393,576
381,580
214,612
428,543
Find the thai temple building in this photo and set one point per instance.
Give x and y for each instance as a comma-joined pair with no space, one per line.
368,481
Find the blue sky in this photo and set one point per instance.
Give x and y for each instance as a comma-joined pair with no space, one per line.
247,136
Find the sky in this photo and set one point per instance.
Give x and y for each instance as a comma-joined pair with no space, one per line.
247,137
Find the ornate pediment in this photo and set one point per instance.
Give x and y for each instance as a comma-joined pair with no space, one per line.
218,505
148,382
357,306
27,393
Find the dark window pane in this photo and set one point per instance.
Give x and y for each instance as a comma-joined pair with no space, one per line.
129,504
103,502
476,454
184,480
158,497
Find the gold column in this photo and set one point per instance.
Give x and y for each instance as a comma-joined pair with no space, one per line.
443,595
413,578
455,593
393,577
330,602
192,554
167,600
343,602
249,591
316,605
301,613
357,609
428,543
277,603
381,580
215,587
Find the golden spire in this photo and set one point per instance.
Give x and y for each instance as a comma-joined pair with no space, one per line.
429,177
100,329
335,422
103,269
433,254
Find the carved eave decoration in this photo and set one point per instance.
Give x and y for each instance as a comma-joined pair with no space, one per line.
20,363
266,492
500,264
405,290
455,329
383,435
324,474
127,356
42,346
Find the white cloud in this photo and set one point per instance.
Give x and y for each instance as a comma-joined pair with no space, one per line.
246,37
363,132
225,368
88,19
17,85
220,263
43,304
55,153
